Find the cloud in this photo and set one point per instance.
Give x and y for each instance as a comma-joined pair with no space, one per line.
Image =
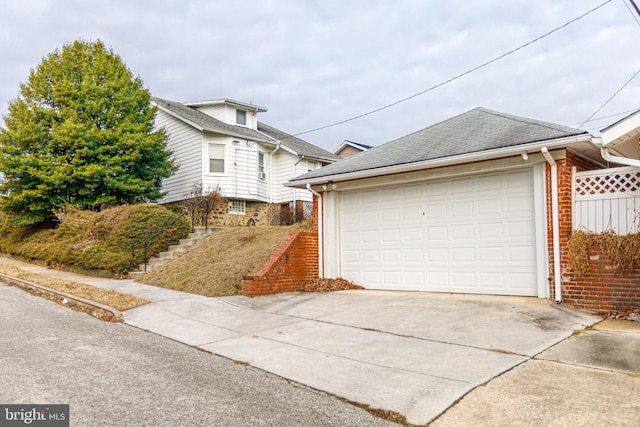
313,63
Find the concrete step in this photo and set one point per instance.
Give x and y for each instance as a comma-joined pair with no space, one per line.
136,274
172,252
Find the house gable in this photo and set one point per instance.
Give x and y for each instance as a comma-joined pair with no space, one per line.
245,162
623,136
350,148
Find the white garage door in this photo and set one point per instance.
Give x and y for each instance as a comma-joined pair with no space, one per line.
469,235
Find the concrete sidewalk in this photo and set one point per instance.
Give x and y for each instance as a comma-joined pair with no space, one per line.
415,354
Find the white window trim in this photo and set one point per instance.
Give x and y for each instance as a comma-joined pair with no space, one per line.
261,167
224,160
246,117
237,207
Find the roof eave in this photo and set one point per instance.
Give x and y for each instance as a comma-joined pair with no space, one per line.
235,135
226,101
622,130
444,161
177,116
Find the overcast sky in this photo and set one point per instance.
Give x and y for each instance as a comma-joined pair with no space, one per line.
313,63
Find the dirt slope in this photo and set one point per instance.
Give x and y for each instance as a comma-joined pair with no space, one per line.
216,266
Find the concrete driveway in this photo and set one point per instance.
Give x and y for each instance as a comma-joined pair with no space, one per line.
414,354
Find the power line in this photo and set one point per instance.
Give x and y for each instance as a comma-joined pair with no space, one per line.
604,117
610,98
457,76
633,3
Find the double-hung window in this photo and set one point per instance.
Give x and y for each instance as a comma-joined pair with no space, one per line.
216,158
261,174
241,117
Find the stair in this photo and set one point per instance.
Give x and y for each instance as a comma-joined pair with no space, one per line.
172,252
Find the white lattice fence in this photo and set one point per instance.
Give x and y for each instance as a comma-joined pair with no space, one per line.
607,199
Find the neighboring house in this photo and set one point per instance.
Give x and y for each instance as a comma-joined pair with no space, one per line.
220,145
350,148
479,203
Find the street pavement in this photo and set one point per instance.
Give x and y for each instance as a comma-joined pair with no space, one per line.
448,359
111,374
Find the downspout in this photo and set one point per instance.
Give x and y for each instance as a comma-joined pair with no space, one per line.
320,232
555,219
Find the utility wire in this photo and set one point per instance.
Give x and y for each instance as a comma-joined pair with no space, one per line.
455,77
610,98
633,3
604,117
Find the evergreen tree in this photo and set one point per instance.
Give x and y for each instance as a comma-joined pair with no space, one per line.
80,134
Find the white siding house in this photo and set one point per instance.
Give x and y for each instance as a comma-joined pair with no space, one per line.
221,145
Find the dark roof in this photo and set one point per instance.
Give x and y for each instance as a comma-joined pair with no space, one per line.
207,122
265,133
296,144
475,131
363,146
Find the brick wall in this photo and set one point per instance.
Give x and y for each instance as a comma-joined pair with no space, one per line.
605,290
293,264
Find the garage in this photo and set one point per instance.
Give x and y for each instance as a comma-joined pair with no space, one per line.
471,204
474,234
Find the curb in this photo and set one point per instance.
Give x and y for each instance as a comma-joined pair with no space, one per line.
36,286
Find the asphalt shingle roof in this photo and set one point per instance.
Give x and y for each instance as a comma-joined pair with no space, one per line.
265,133
475,131
296,144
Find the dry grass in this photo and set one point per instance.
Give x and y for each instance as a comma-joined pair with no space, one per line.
216,266
113,299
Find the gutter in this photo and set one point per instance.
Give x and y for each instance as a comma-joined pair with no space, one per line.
446,161
555,219
320,232
604,152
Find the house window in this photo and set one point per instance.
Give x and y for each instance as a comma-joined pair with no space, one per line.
261,174
311,165
216,158
241,117
237,207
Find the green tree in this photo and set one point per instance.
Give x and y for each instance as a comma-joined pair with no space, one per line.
80,134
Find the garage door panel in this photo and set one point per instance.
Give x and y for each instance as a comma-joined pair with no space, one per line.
437,255
413,215
412,192
520,230
413,234
490,207
462,232
414,255
437,233
521,253
492,230
436,189
462,209
461,186
475,234
436,210
491,254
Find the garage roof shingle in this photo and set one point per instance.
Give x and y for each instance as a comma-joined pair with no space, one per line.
475,131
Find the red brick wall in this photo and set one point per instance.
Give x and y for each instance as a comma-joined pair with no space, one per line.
293,264
605,290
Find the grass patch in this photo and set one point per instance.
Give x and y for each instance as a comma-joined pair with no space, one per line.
95,241
216,266
113,299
